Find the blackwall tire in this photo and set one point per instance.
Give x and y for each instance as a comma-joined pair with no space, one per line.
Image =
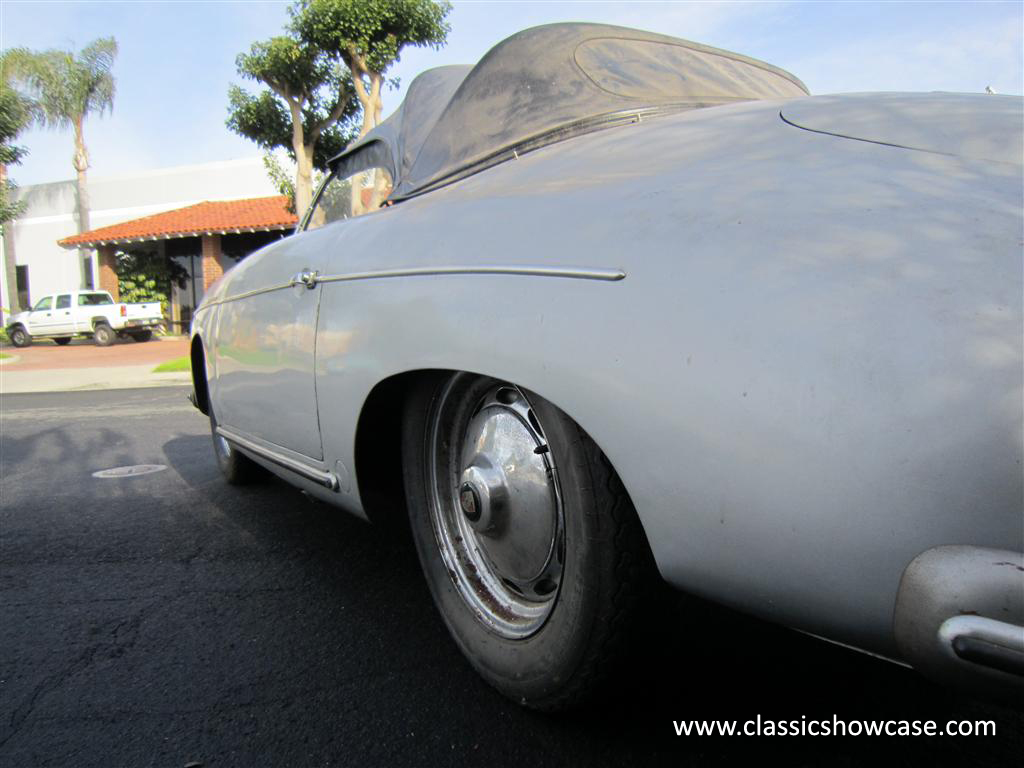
237,468
551,646
19,337
103,335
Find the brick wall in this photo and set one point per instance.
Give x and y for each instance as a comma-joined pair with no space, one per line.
108,275
212,268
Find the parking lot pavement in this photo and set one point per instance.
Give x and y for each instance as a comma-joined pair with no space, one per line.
167,619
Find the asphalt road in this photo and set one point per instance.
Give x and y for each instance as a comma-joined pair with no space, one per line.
169,619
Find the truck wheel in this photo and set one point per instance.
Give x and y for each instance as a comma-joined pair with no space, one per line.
19,336
61,341
142,335
103,335
530,545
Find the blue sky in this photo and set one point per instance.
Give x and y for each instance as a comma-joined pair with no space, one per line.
177,58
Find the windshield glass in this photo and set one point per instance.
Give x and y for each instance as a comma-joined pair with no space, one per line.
336,201
94,299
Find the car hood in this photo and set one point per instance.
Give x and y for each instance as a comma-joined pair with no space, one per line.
976,126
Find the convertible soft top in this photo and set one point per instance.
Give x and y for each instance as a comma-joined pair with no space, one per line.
547,83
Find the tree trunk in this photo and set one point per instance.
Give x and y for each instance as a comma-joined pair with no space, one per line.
303,162
378,181
10,271
303,180
371,103
81,163
10,268
376,81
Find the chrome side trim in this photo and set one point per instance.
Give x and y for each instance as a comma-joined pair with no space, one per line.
578,273
319,476
255,292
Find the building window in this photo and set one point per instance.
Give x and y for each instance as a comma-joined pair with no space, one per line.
21,276
87,273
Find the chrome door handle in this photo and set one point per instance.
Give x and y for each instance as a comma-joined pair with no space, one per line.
306,277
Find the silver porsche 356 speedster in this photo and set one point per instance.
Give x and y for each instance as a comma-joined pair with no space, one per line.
621,298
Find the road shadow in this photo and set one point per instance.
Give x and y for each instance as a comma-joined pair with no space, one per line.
689,660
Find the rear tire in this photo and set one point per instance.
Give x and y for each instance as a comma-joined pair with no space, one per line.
545,641
141,336
237,468
103,335
19,337
62,341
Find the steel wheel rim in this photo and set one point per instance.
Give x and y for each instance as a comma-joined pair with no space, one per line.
496,506
222,446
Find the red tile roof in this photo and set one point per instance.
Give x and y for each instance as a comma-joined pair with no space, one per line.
227,217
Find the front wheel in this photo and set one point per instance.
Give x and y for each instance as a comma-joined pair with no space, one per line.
19,337
103,335
529,543
237,468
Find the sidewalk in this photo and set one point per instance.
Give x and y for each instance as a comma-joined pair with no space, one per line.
45,367
13,381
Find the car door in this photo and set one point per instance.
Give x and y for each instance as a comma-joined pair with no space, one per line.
266,326
40,319
263,346
63,317
90,304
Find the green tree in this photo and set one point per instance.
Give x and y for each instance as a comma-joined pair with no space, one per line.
68,87
144,275
306,109
368,36
14,118
16,113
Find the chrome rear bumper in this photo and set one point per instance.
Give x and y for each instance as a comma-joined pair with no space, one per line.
959,618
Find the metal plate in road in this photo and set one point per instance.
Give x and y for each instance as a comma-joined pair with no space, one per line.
132,471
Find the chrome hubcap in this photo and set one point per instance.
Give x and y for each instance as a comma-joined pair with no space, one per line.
497,507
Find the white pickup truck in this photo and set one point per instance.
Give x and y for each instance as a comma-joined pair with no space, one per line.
61,316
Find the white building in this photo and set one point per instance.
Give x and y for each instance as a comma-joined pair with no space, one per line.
44,267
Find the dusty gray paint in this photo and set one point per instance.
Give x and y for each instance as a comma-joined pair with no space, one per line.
812,373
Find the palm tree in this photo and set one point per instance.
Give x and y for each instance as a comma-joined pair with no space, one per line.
69,87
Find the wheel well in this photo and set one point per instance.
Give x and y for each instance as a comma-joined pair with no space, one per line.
378,454
100,321
378,449
202,392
